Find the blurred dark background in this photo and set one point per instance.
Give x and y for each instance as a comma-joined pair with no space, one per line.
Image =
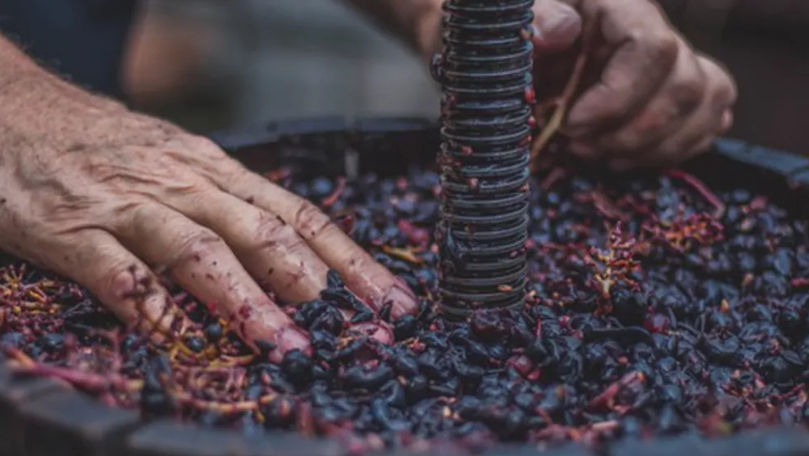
765,44
212,64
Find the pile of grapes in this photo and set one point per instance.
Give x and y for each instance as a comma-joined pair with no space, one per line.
655,306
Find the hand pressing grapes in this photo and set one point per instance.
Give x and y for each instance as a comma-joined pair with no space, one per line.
647,99
111,198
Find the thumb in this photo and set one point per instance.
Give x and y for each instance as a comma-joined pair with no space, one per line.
557,24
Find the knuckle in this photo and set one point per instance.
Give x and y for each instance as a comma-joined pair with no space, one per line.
125,279
272,232
132,215
203,146
199,245
235,170
202,142
663,47
125,215
194,193
727,92
310,220
560,24
222,170
687,93
724,87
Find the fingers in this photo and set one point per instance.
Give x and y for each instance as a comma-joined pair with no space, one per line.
712,117
558,26
645,51
667,110
121,281
656,103
364,276
201,262
367,278
269,248
708,121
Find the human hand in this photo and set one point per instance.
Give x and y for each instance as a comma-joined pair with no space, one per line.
647,98
109,198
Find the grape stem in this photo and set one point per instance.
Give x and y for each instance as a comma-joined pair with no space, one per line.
561,104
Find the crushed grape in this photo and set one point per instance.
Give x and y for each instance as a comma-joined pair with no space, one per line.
651,312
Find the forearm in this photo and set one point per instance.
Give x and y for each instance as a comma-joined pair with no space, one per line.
16,68
415,21
36,105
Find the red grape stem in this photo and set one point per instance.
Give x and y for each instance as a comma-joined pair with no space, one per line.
701,188
561,103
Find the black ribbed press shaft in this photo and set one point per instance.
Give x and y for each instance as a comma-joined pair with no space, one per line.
486,73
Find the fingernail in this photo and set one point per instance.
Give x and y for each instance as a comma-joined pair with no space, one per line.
558,25
287,339
403,299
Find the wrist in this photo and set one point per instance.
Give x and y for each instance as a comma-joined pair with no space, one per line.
38,109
